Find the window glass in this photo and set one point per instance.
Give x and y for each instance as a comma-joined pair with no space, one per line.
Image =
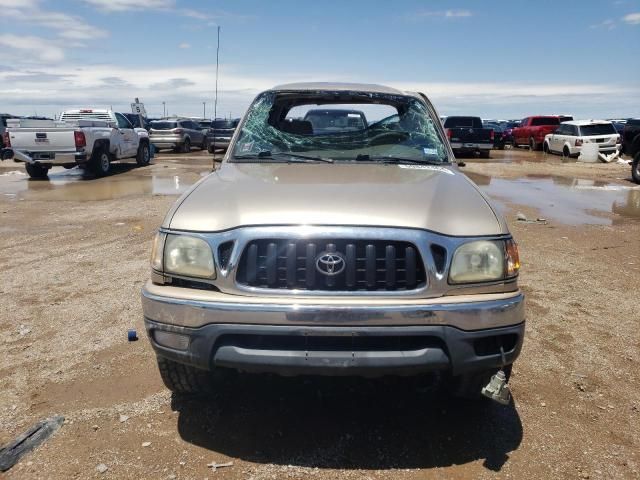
279,126
122,121
536,122
598,129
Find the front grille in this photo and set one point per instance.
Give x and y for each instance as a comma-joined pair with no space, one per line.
331,265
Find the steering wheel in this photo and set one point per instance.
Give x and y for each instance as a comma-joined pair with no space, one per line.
388,137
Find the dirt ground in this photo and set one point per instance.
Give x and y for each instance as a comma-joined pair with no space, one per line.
74,255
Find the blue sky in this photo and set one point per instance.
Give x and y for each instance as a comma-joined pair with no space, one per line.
493,59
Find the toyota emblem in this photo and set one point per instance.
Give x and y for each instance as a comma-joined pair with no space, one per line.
330,263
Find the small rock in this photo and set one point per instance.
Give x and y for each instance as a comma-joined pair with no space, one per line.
95,428
171,476
101,468
521,217
124,418
543,404
146,444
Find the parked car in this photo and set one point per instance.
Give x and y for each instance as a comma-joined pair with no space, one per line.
507,130
630,135
532,131
359,253
499,138
570,136
330,120
467,135
3,121
221,133
90,138
180,134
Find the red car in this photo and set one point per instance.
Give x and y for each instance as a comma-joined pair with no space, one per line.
532,130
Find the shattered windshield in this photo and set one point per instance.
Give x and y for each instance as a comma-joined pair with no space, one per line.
339,127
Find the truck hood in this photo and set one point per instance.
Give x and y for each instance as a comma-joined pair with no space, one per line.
439,199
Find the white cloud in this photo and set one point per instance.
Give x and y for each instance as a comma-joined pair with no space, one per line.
450,14
184,45
457,13
33,47
632,18
608,24
67,26
185,87
127,5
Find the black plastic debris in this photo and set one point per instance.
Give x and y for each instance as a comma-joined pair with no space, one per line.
28,441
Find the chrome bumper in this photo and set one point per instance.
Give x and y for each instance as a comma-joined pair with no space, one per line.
471,146
465,312
55,158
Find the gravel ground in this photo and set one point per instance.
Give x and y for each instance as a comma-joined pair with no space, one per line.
74,254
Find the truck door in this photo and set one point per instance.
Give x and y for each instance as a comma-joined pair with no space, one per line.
128,136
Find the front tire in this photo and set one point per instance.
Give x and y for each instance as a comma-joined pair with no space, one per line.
144,155
186,146
184,379
545,147
533,145
566,153
100,163
36,171
485,154
635,168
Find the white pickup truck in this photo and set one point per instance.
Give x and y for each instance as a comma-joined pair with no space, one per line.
90,138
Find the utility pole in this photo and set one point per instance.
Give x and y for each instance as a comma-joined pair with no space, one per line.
164,109
204,109
215,102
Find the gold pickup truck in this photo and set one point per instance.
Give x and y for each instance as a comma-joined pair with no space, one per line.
331,247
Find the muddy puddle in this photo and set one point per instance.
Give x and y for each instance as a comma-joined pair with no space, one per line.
571,201
75,185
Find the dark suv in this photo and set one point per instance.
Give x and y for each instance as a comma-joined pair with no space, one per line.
220,133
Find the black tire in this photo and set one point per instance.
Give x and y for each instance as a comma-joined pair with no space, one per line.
533,146
35,170
514,144
186,146
635,168
565,152
469,385
100,163
143,157
205,144
545,147
485,153
184,379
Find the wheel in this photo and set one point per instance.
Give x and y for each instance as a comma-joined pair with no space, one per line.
184,379
186,146
144,155
100,163
545,147
469,385
485,153
35,170
211,149
566,152
532,144
514,144
205,144
635,168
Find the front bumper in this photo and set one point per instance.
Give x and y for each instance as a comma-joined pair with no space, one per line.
338,339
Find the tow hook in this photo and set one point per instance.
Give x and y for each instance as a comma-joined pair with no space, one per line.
497,389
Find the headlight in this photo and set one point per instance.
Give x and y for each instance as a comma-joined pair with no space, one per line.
188,256
484,261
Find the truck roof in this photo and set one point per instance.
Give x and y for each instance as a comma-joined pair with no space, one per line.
336,87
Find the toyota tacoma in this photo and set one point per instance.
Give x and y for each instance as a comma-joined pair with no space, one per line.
350,252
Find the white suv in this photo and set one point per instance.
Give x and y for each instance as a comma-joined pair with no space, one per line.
570,136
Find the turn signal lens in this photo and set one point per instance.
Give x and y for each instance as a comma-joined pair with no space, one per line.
513,258
157,251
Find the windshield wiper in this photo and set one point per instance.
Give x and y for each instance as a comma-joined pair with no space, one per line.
267,155
395,160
